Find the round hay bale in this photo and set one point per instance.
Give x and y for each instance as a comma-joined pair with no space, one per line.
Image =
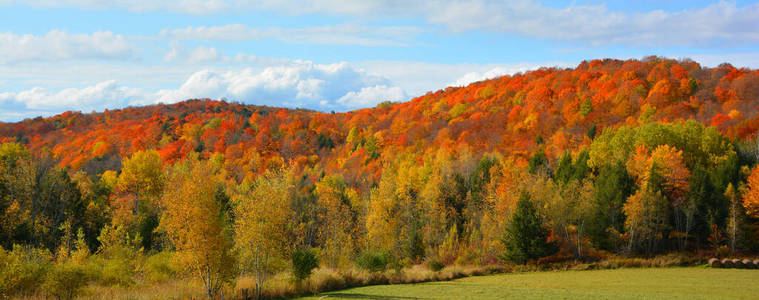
715,263
727,263
737,263
747,263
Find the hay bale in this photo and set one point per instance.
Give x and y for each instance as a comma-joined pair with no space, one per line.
715,263
756,264
747,263
737,263
727,263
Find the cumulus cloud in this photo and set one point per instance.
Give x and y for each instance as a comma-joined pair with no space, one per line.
492,73
58,45
345,34
721,23
338,86
107,94
371,95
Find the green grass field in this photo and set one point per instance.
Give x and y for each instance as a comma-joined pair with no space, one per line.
654,283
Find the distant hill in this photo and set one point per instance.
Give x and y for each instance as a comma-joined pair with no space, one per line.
563,107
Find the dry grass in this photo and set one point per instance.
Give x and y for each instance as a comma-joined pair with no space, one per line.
325,279
282,285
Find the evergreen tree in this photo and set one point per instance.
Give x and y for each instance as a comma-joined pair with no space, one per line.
525,237
539,162
613,186
564,170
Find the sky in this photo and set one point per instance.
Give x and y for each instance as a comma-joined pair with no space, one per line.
331,55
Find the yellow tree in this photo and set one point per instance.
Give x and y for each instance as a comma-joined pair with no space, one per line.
263,223
196,222
751,196
16,188
392,220
338,207
501,196
142,175
138,187
735,215
382,221
663,179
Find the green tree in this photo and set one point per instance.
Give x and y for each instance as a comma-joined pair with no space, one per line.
539,162
612,187
525,237
304,261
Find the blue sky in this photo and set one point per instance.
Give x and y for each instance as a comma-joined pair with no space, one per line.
90,55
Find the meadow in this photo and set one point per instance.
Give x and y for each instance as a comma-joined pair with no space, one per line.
634,283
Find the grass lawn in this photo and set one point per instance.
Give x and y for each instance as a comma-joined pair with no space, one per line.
654,283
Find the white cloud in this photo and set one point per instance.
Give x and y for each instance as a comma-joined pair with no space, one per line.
203,54
205,7
371,96
58,45
417,78
717,24
492,73
338,86
107,94
345,34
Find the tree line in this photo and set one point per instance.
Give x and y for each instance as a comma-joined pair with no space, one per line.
654,188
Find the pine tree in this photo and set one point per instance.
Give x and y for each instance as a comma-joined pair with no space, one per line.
525,237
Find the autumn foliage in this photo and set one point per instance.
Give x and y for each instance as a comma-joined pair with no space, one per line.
634,157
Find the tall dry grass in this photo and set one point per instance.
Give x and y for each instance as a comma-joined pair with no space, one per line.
325,279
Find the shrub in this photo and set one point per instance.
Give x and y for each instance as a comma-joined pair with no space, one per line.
160,267
373,261
117,272
304,261
722,252
435,265
22,270
65,281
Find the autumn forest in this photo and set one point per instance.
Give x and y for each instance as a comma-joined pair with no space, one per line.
612,158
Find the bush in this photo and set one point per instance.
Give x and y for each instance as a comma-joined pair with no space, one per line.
304,261
722,252
65,281
117,272
373,261
160,267
435,265
22,270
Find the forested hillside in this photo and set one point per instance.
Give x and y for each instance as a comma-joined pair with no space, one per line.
636,157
